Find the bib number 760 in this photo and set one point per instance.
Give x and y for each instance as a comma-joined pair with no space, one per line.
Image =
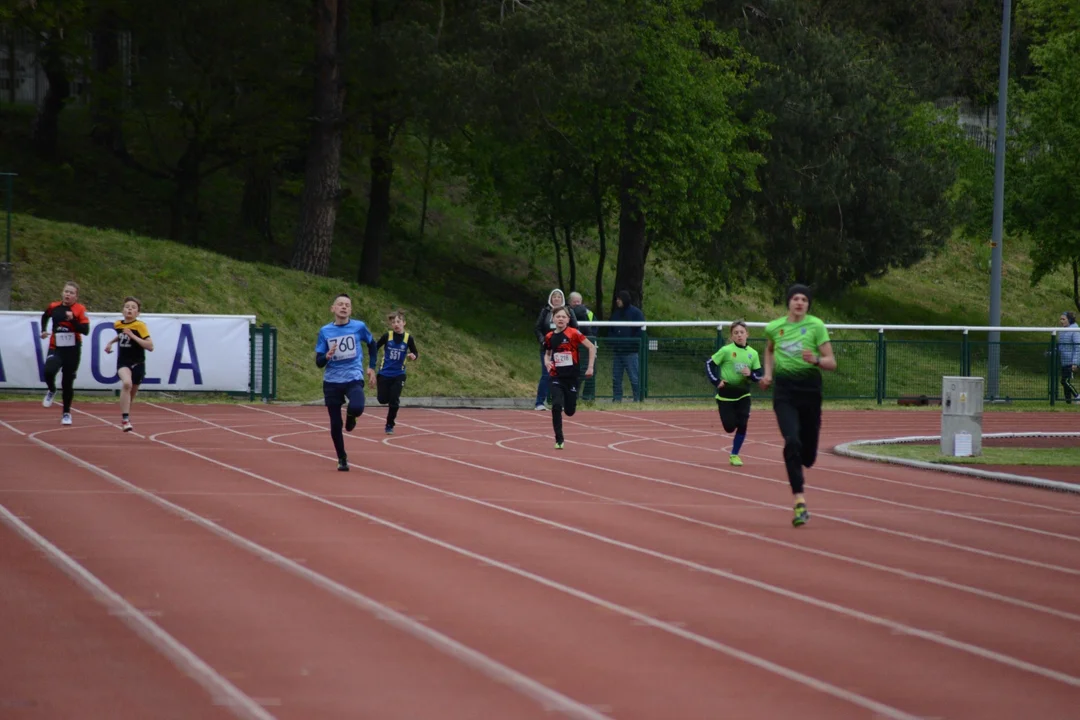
345,348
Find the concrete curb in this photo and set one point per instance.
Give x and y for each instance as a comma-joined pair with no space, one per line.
847,450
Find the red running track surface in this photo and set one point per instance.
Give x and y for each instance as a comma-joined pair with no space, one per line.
215,564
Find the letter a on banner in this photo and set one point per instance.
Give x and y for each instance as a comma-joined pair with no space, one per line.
185,339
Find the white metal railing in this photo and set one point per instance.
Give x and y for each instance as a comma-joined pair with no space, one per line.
720,324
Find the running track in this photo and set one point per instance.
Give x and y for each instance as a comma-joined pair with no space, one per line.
214,564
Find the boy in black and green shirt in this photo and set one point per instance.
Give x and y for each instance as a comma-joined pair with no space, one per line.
798,350
732,369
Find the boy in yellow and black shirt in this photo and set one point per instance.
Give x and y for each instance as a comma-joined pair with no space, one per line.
799,349
732,369
134,339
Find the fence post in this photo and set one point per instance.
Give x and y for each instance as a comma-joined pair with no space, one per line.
1053,370
965,355
643,364
879,367
265,385
251,369
273,368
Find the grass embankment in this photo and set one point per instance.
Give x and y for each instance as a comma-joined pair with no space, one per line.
172,278
1058,457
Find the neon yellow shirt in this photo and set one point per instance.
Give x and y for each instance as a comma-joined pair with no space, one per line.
790,339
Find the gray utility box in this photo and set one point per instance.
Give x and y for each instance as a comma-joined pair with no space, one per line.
961,412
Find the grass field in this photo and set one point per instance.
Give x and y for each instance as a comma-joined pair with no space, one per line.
1058,457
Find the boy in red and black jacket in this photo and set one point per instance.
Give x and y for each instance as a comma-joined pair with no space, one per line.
561,360
69,324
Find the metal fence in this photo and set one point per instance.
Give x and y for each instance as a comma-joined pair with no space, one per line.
264,362
877,363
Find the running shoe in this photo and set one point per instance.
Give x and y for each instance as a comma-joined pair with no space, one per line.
802,515
389,429
343,463
66,420
350,422
735,460
47,402
558,446
126,426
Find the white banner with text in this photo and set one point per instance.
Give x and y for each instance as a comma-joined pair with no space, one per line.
207,353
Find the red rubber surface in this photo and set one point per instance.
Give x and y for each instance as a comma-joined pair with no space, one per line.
635,572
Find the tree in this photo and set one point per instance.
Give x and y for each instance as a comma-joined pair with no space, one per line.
684,148
322,171
58,26
857,172
1044,169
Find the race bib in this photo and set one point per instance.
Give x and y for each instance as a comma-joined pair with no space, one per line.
563,359
345,347
65,339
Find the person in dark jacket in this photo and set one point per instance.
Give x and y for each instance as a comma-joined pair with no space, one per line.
544,325
582,313
623,341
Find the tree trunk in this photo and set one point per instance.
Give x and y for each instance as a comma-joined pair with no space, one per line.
558,253
322,171
598,204
47,122
429,152
630,267
257,204
377,228
1076,283
184,225
570,262
106,99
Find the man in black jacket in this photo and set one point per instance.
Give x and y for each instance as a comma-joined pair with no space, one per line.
583,314
624,342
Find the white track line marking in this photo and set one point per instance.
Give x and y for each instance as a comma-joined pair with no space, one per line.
221,690
642,618
546,697
818,489
838,471
761,503
767,587
941,582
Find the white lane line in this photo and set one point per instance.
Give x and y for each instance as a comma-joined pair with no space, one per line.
819,514
767,587
549,699
221,690
832,469
756,661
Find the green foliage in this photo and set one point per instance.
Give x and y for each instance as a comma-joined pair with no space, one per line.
1044,197
857,171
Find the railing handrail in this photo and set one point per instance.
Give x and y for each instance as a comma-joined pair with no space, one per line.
719,324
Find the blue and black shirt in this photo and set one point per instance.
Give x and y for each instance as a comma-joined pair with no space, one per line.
395,352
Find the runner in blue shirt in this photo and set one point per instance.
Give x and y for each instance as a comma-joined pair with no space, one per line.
398,347
338,350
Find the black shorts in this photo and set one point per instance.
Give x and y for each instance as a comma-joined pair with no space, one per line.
138,370
734,413
337,393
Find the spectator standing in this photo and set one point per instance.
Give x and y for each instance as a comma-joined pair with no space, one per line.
582,313
624,353
1069,354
